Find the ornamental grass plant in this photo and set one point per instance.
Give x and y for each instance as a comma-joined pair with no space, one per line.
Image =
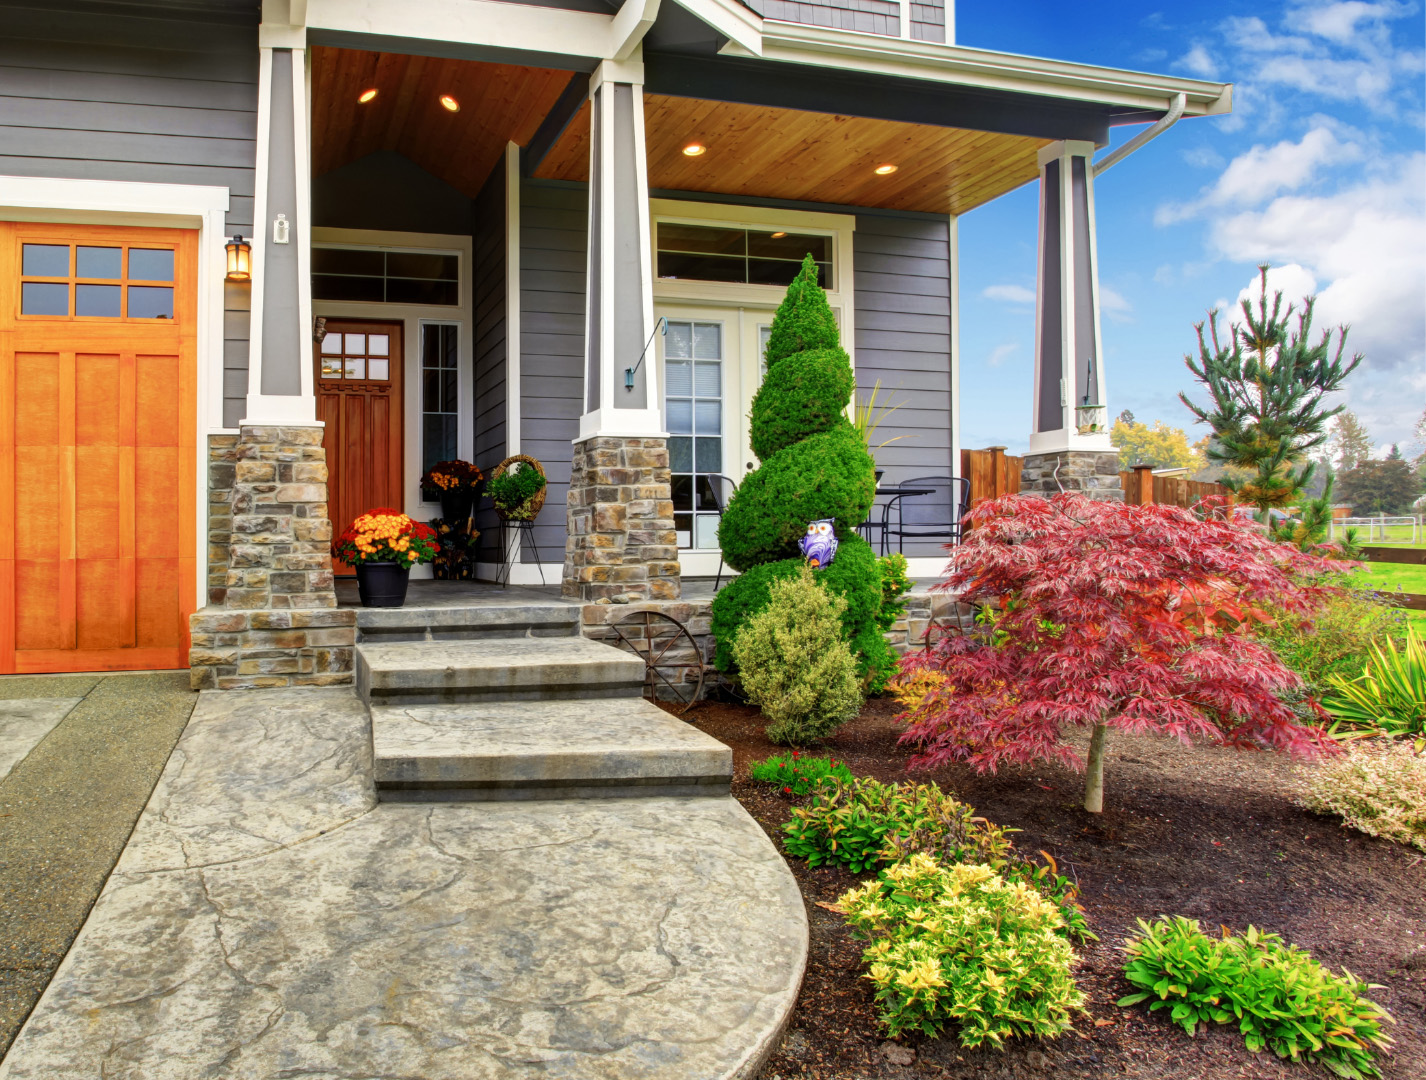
960,945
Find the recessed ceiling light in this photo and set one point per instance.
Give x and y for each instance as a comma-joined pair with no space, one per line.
884,170
449,103
778,235
693,149
367,95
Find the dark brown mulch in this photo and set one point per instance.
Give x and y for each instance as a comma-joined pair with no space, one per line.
1197,831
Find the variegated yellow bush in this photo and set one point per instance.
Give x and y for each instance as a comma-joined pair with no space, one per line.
1377,789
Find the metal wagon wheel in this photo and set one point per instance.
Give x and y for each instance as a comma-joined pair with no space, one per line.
669,653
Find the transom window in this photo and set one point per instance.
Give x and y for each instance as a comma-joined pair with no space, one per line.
741,256
693,377
382,276
351,357
96,281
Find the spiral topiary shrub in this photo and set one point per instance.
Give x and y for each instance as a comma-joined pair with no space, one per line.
814,466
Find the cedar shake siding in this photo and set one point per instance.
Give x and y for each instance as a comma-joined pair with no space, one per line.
152,93
928,18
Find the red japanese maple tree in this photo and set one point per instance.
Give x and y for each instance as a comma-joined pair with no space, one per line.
1114,616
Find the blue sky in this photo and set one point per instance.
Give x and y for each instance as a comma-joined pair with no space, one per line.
1320,170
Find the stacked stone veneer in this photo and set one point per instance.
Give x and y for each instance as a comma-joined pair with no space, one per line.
1094,473
620,543
274,620
922,609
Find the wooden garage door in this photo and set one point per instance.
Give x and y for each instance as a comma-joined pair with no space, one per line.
97,482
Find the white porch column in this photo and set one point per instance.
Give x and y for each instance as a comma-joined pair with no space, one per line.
280,376
619,288
1069,370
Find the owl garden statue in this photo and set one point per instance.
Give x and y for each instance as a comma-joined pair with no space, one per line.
819,546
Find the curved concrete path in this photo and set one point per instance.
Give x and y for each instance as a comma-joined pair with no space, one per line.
270,919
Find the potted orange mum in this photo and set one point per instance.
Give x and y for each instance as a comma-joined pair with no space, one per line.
383,545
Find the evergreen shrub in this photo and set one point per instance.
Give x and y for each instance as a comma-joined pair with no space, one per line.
1379,790
799,398
795,666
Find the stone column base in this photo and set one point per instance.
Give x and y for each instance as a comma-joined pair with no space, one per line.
620,544
1094,473
246,650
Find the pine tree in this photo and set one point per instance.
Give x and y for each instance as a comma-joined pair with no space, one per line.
1266,389
814,466
1350,443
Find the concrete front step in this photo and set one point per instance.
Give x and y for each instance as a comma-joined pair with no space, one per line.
496,751
464,622
498,669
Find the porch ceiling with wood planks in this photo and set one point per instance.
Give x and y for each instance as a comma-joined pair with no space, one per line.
773,153
498,103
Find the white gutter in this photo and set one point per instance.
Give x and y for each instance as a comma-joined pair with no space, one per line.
1168,120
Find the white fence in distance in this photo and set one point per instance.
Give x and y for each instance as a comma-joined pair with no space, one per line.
1379,530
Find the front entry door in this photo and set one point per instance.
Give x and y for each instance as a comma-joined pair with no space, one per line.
359,400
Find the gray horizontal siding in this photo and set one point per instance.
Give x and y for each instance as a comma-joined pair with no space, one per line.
903,339
154,93
491,352
553,244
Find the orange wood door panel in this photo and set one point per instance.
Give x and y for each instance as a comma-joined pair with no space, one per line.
359,380
98,464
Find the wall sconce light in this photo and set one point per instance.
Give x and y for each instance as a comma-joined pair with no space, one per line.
240,260
660,327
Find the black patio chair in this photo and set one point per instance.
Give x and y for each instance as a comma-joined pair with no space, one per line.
719,490
937,514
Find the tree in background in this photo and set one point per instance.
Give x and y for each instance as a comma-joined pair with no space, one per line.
1161,446
1266,387
1125,417
1380,487
1349,445
1419,445
1113,616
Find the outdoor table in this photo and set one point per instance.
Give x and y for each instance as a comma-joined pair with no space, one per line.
896,492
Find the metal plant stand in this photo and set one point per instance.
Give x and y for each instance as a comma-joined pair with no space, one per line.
665,646
524,530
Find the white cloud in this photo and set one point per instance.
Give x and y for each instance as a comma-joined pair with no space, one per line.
1340,22
1204,157
1002,353
1197,62
1293,281
1113,305
1010,294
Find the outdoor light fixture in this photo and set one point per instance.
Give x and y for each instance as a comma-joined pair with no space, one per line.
240,260
694,149
1090,417
367,95
660,327
449,103
884,170
778,235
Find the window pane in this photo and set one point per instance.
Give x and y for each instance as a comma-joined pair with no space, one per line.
683,529
431,390
356,369
775,272
673,265
708,341
39,298
148,301
328,287
438,441
449,355
378,345
355,345
681,491
407,291
417,264
99,262
706,531
680,454
677,375
347,261
448,390
149,264
706,497
708,380
102,300
708,455
379,369
702,238
789,246
678,343
708,418
332,343
331,368
680,417
46,260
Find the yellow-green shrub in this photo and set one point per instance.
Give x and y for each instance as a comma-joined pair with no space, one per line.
1378,790
960,945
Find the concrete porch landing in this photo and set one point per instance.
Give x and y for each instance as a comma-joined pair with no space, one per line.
269,918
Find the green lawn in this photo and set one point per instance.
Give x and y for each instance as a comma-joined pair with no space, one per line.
1390,576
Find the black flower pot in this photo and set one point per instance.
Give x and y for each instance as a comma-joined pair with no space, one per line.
382,584
456,506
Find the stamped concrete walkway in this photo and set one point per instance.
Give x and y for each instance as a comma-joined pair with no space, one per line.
270,919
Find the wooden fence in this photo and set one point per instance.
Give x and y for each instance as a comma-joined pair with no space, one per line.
991,473
1142,487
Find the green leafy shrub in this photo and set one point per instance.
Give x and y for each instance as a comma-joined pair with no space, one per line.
960,945
1280,997
895,584
863,823
515,487
798,773
804,320
1389,696
795,666
1336,639
1378,790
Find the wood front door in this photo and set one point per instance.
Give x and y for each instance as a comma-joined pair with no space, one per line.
98,447
359,400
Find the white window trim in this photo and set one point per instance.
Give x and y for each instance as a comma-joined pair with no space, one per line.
413,317
172,206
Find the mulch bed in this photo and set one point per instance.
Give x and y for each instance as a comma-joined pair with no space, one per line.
1197,831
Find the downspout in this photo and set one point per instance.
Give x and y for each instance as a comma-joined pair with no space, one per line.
1167,121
